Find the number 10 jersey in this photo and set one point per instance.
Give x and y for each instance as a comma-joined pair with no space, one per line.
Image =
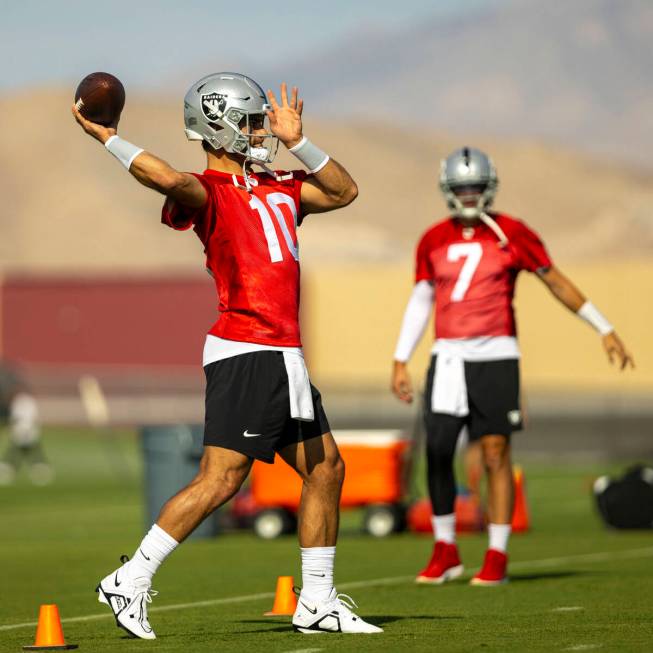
250,242
473,277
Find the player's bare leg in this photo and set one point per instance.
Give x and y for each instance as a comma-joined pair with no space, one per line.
473,461
127,589
322,470
498,465
320,608
221,473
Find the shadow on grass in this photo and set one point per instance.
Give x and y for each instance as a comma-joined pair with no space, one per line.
544,575
377,620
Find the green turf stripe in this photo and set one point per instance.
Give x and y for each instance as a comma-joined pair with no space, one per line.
524,564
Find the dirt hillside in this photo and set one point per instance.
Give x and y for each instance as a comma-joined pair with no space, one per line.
68,206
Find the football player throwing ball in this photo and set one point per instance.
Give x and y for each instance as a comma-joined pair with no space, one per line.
259,399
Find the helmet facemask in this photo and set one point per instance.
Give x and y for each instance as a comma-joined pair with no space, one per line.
469,201
246,130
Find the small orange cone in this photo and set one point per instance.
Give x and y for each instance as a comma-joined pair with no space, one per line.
285,601
49,633
520,519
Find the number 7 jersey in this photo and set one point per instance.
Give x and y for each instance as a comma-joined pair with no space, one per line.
250,242
473,277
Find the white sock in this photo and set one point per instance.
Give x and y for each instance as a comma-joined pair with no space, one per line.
498,535
317,571
444,528
156,546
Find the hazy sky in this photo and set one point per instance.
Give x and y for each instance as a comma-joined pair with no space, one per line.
152,43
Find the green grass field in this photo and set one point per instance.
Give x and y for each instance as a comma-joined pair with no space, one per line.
575,585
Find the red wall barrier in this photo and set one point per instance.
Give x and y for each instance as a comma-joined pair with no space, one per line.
100,321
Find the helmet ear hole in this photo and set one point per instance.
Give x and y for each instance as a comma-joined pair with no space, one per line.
207,147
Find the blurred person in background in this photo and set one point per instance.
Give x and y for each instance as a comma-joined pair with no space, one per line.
19,415
466,266
259,399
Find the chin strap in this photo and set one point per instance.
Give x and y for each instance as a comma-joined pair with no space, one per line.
498,231
248,183
246,177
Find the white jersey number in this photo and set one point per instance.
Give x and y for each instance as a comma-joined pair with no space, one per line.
472,253
273,202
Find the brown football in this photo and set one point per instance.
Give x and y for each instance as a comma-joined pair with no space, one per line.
100,98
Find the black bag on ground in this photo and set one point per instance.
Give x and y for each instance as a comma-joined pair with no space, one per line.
626,502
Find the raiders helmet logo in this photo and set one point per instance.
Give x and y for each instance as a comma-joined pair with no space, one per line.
213,105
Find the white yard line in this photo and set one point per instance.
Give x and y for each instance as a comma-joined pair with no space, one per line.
568,608
391,580
587,557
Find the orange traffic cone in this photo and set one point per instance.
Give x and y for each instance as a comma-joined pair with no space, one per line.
520,518
285,601
49,633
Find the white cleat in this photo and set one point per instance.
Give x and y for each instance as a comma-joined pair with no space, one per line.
128,601
331,616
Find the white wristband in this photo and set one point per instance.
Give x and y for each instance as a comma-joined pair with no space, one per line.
123,150
595,318
310,155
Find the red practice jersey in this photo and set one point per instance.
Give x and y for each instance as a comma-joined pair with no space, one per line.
250,242
474,278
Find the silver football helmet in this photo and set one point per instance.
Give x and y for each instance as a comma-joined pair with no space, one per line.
470,174
473,172
219,106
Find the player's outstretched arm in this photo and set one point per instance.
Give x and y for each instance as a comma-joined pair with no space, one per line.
569,295
148,169
329,186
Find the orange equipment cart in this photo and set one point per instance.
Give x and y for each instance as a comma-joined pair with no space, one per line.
375,462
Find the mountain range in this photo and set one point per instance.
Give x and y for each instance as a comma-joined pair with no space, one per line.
574,73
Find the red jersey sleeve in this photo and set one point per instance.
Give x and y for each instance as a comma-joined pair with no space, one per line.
530,250
182,217
423,266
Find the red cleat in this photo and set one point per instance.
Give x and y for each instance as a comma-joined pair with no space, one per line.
444,565
493,571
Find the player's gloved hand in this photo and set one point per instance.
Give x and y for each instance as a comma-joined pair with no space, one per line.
100,132
616,350
401,384
286,119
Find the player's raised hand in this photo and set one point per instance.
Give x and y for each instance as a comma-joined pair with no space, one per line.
616,350
100,132
286,117
401,384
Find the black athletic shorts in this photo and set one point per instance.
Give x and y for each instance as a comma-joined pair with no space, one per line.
492,396
248,406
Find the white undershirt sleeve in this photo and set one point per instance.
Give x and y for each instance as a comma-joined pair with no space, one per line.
415,320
